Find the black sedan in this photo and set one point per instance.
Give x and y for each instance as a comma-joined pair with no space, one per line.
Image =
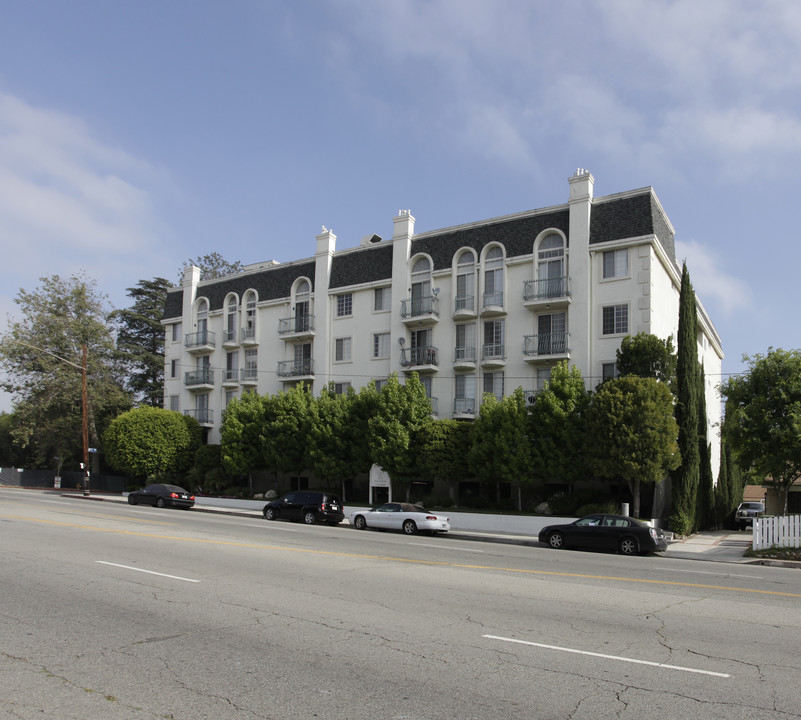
162,496
606,532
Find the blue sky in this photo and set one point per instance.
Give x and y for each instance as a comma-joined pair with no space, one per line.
137,135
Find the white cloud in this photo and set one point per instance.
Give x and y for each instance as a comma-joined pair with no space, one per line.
713,284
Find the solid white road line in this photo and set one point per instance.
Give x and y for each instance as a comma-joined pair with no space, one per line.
149,572
609,657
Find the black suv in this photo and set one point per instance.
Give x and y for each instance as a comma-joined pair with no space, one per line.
311,506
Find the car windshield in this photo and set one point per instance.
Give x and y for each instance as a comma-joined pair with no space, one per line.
752,506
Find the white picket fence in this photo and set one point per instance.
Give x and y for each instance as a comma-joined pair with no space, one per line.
784,531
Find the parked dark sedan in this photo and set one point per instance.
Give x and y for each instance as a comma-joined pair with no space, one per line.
162,496
606,532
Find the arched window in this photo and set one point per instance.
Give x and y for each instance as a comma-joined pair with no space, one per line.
231,320
202,322
465,281
551,275
249,330
493,277
302,306
421,286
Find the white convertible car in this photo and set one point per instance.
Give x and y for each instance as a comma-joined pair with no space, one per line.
401,516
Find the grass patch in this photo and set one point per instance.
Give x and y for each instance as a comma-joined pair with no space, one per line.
775,553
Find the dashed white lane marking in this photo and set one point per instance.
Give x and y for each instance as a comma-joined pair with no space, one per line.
609,657
149,572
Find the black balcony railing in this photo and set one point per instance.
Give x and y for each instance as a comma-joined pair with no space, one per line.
248,334
299,324
415,307
464,303
412,357
199,339
203,415
546,289
493,351
493,299
553,343
295,368
464,354
205,376
464,406
249,375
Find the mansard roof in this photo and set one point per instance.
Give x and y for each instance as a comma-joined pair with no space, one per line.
368,264
270,284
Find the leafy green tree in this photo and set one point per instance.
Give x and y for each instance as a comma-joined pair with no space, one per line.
646,355
212,266
140,340
763,420
444,447
501,451
557,428
288,419
722,493
242,435
151,443
631,432
402,411
41,355
11,455
687,476
334,452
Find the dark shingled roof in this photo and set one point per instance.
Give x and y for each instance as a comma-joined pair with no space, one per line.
270,284
612,219
516,235
369,264
631,217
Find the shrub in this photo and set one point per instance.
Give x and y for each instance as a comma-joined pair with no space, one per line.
608,506
680,523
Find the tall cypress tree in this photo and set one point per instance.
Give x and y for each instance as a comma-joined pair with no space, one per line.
723,489
706,490
686,477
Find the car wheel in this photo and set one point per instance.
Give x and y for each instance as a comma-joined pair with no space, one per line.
309,517
160,502
269,513
360,523
556,540
131,500
409,527
629,546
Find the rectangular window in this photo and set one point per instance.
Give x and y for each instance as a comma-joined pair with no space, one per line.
609,371
616,263
229,395
176,332
382,299
379,383
173,368
344,305
341,388
381,345
342,350
543,376
174,403
465,396
615,319
493,384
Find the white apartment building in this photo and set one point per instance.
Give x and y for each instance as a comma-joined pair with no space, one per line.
483,307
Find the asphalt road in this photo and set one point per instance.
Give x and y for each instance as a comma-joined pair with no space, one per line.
112,611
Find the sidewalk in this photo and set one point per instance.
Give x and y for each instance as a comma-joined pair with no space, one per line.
715,546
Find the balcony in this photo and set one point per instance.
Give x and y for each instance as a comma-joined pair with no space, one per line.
464,407
493,355
551,293
248,336
420,359
296,369
492,304
294,328
464,358
200,342
230,378
547,346
230,339
464,307
202,379
420,311
249,376
204,416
